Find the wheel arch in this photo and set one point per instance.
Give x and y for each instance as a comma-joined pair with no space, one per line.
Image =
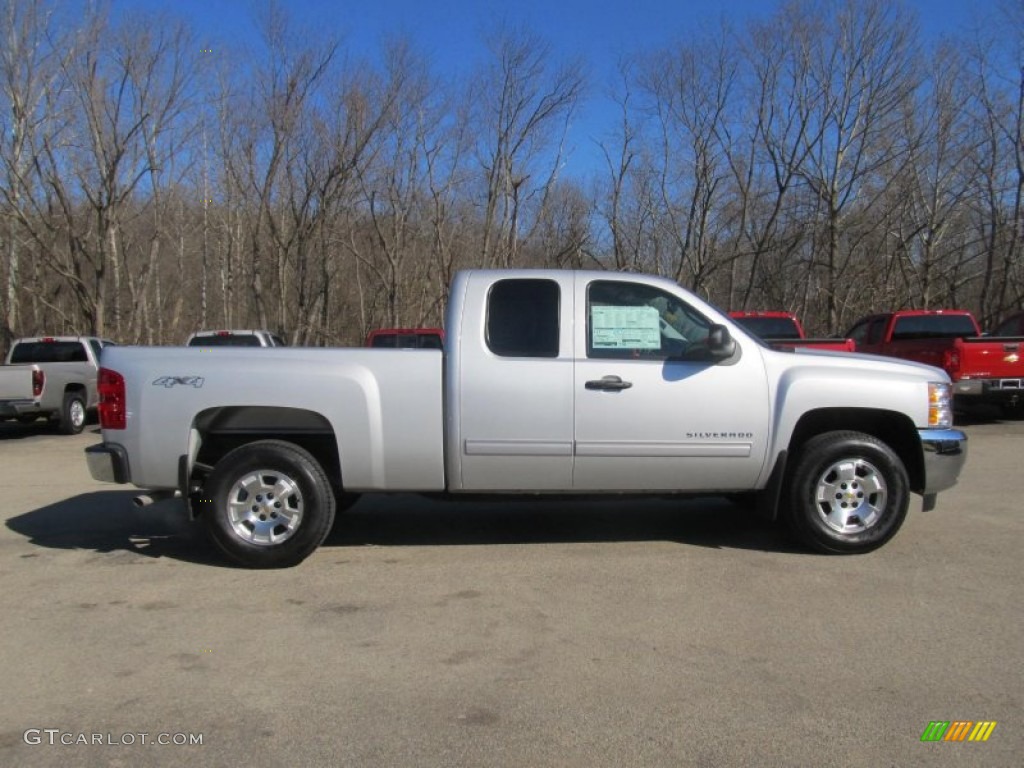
893,428
217,431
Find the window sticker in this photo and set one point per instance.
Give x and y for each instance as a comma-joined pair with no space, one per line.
625,327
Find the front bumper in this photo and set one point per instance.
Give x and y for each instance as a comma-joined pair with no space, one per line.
945,451
108,463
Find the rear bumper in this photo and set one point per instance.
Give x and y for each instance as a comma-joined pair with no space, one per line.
945,451
108,463
12,408
990,390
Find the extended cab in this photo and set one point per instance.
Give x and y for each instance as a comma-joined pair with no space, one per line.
983,369
783,330
52,377
550,382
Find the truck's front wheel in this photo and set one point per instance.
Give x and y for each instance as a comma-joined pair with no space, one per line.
268,504
848,493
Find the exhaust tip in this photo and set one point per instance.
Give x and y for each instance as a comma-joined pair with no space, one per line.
145,499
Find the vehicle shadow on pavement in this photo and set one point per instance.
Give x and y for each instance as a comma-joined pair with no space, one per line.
407,520
13,430
979,414
108,521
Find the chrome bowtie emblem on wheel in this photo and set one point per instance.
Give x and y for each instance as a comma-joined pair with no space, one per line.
173,381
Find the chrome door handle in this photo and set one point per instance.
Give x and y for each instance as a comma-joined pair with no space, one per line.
609,384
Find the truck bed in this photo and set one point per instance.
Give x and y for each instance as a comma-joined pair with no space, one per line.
383,408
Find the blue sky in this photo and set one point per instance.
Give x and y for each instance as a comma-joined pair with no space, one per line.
450,32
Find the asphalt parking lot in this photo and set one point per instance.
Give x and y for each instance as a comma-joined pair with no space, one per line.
654,633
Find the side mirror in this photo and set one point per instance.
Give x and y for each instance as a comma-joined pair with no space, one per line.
721,345
718,346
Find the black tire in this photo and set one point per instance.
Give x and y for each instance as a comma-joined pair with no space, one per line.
268,504
848,493
72,414
1013,411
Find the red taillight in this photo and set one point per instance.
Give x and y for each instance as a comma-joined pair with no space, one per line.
110,386
38,380
951,362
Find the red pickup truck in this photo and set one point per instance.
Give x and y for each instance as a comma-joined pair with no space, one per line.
783,330
983,368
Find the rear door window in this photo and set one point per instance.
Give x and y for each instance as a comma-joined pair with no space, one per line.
522,318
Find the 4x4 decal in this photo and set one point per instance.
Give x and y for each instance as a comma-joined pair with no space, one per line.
173,381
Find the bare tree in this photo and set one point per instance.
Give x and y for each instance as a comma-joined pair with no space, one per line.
690,89
926,222
997,79
765,143
861,74
628,207
29,70
526,101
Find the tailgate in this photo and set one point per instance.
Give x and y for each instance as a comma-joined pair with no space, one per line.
988,358
16,382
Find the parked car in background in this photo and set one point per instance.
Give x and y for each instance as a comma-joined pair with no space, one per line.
1013,326
783,330
52,377
406,338
983,369
247,338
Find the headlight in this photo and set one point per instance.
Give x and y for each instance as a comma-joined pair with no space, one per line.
940,404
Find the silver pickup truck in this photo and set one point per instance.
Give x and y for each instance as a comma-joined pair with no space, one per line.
52,377
550,382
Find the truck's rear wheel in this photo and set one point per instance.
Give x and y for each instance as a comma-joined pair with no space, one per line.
72,414
268,504
848,493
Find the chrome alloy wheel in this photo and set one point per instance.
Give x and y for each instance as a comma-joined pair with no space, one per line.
76,412
851,496
265,507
